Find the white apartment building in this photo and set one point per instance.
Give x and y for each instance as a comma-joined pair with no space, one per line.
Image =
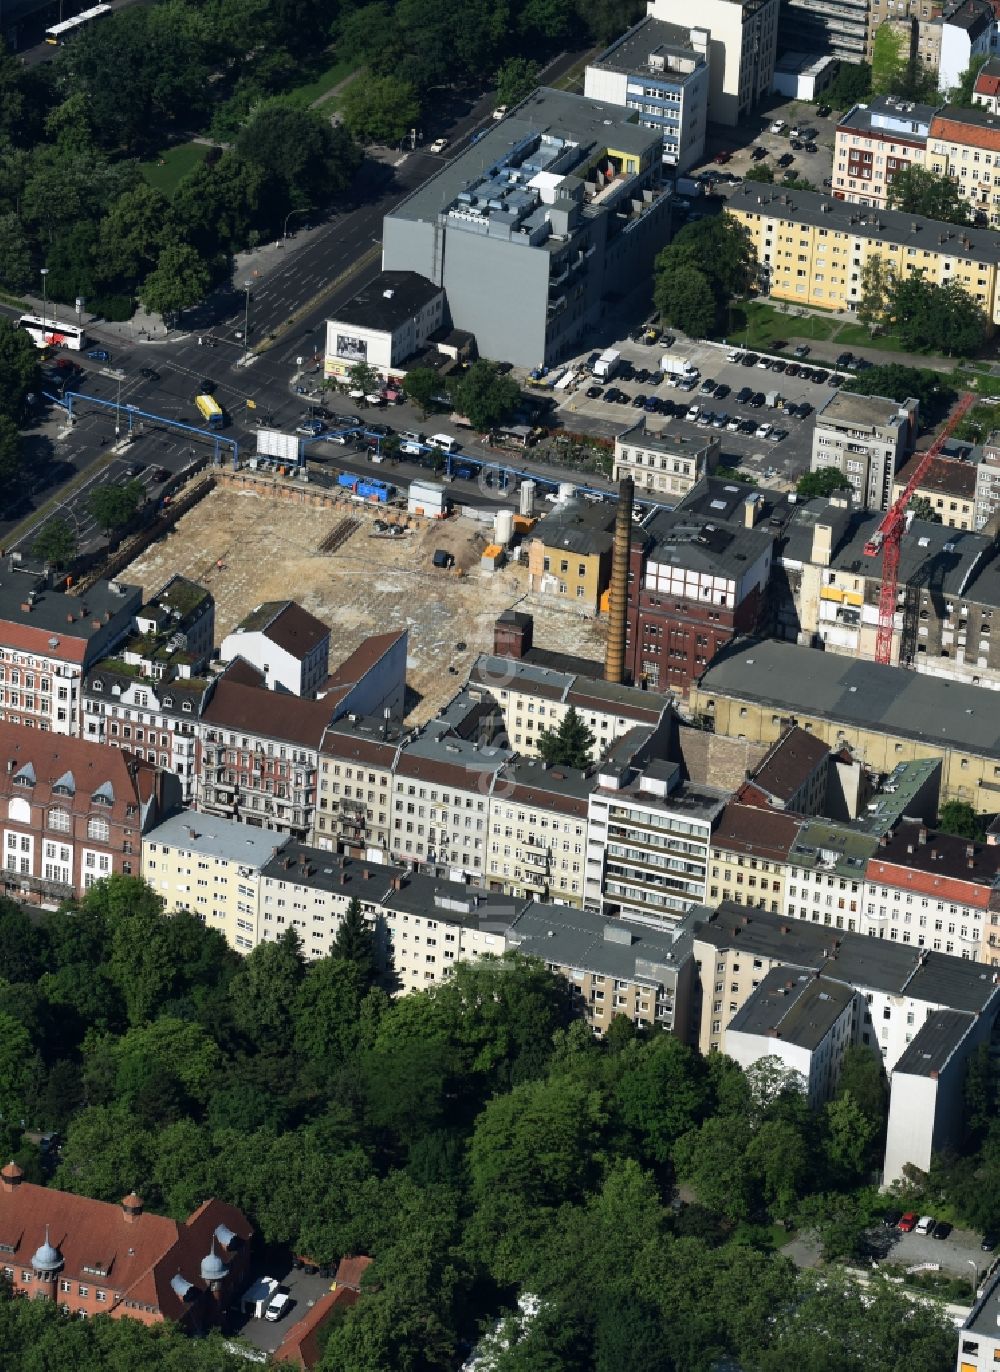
354,806
288,645
648,837
866,437
660,70
663,462
159,721
383,325
825,874
741,52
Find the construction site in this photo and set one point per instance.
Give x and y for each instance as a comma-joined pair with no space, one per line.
251,540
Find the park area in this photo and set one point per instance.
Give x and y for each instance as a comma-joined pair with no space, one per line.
166,172
247,546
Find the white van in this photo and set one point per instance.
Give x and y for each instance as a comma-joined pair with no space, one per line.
279,1303
445,442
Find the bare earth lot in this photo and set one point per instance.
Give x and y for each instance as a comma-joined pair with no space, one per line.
270,550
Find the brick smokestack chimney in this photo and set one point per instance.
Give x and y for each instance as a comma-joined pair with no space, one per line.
614,662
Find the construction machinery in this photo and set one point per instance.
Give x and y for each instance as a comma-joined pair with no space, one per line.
887,537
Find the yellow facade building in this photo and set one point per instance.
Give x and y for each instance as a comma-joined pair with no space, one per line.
812,249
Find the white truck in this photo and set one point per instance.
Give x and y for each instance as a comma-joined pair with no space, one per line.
258,1297
672,364
607,364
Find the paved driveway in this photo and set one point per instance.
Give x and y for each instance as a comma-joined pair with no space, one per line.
304,1290
955,1255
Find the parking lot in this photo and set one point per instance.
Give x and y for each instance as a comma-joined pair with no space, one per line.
812,166
305,1291
956,1255
777,462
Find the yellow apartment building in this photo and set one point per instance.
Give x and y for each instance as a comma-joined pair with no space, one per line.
884,715
537,840
211,867
570,555
964,145
812,248
748,856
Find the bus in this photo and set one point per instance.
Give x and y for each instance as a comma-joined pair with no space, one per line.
210,411
69,28
50,333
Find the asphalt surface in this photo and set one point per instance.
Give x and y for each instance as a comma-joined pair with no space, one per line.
342,252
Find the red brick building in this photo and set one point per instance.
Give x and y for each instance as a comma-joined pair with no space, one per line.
698,577
96,1258
73,812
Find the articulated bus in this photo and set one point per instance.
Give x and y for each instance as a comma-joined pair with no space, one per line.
69,28
50,333
211,411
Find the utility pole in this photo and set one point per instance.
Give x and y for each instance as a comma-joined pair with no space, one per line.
246,322
45,298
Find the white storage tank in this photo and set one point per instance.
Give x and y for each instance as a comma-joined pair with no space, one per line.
503,527
566,491
527,496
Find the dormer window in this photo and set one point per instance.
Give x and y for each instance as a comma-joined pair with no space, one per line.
186,707
22,779
168,701
97,685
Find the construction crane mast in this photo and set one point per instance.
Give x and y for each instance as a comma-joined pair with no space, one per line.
888,536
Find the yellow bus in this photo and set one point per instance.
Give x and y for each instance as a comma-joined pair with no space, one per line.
210,411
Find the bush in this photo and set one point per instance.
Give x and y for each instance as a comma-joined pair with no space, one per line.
116,308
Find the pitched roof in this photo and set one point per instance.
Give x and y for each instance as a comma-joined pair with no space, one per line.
301,1345
350,1270
254,710
763,833
942,865
988,80
789,764
140,1255
79,767
976,127
365,656
944,475
287,624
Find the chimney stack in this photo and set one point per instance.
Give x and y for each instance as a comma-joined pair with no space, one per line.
614,662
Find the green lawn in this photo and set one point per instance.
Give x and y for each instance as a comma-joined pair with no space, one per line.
757,325
177,162
322,82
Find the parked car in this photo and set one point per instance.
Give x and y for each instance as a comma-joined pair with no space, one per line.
805,409
720,420
756,401
796,144
723,157
845,360
924,1224
778,435
99,355
733,424
778,365
811,147
802,350
692,415
791,369
778,126
941,1230
594,392
743,395
764,362
762,430
638,401
748,360
722,390
989,1242
891,1219
747,426
133,470
438,145
148,374
786,159
159,475
907,1222
822,111
499,112
707,387
277,1305
311,428
757,153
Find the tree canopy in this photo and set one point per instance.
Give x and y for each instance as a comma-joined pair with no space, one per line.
570,744
915,190
485,396
697,275
823,482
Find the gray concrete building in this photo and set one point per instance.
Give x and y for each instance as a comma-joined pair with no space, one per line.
531,229
865,437
741,54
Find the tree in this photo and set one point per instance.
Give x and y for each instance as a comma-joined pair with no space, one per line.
327,1007
662,1093
920,507
517,78
915,190
958,817
380,109
18,369
15,1068
684,298
263,992
10,458
876,293
901,383
863,1075
113,506
180,279
823,483
134,233
355,943
962,94
571,744
300,149
56,543
889,61
944,318
849,1136
364,378
422,385
708,263
485,396
759,171
15,254
852,83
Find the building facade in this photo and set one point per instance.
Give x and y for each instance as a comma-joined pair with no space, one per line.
741,53
74,812
666,464
354,811
865,438
383,325
175,632
948,486
875,141
964,146
749,856
812,251
286,644
660,70
538,831
529,230
570,553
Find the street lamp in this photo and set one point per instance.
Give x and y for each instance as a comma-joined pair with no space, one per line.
45,297
975,1280
284,231
118,404
246,321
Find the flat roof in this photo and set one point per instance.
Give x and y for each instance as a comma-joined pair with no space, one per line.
886,114
453,902
798,1008
583,124
822,845
663,439
321,870
388,302
196,832
863,695
55,611
898,791
846,407
984,1317
688,539
593,943
631,52
862,221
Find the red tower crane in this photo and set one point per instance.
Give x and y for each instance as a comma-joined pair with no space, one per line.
888,536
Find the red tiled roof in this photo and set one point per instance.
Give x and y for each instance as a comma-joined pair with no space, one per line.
970,135
254,710
90,765
140,1256
940,865
988,84
301,1344
288,625
767,834
366,656
350,1271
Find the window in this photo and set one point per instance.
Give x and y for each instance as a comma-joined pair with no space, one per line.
98,828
